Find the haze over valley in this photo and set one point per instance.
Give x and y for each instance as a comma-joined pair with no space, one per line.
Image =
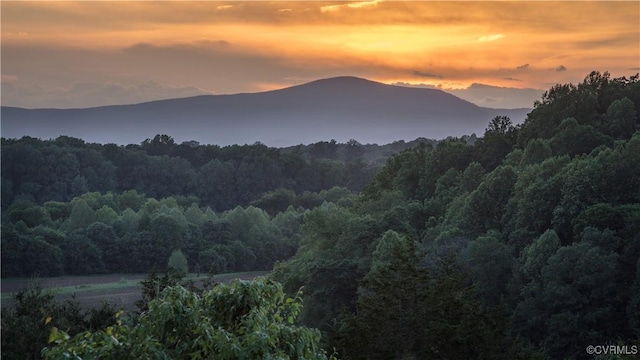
341,108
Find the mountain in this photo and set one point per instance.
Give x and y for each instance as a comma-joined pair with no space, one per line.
340,108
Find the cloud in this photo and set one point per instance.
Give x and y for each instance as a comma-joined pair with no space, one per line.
210,66
609,42
489,96
406,84
427,75
353,5
488,38
90,94
233,50
299,79
498,97
361,4
561,68
331,8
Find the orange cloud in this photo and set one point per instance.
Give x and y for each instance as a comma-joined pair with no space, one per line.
462,42
352,5
493,37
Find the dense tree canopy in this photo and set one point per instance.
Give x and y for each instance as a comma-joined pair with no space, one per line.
220,177
101,233
540,219
242,320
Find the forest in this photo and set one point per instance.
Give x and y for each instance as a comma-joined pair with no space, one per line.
523,243
72,208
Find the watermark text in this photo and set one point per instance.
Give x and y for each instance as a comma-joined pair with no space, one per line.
612,349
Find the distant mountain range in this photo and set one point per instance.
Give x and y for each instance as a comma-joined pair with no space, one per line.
340,108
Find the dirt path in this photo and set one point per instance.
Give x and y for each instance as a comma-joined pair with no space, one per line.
15,285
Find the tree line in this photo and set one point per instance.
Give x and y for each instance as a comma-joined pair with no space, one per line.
129,232
219,177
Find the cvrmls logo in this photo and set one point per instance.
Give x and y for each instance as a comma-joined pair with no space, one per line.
612,350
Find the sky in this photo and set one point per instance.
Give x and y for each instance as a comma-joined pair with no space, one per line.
500,54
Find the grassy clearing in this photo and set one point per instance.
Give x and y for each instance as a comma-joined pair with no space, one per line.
97,283
68,290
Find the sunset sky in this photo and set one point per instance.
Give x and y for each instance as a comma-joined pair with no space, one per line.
496,54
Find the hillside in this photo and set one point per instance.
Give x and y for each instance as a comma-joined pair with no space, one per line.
341,108
524,245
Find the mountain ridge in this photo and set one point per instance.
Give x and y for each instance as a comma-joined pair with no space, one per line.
340,108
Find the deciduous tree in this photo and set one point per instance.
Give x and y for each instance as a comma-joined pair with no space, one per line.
243,320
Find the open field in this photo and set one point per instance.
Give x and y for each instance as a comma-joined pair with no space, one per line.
121,290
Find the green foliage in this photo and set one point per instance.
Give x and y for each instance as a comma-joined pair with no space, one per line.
106,215
574,139
633,309
79,185
486,205
194,215
216,259
574,301
105,239
242,320
588,103
498,140
115,238
542,218
81,215
57,210
26,325
537,193
471,177
24,328
81,255
622,118
154,284
492,267
403,172
222,178
537,150
26,211
403,311
389,298
329,263
605,176
178,262
128,222
536,255
26,254
274,202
